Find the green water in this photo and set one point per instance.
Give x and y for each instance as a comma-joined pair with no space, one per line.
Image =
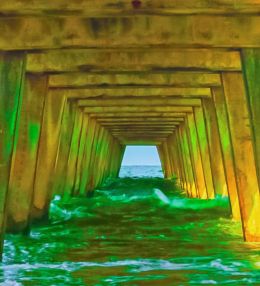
134,231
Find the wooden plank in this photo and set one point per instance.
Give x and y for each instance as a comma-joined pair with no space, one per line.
117,8
120,92
152,79
132,60
142,101
149,120
137,115
32,32
152,109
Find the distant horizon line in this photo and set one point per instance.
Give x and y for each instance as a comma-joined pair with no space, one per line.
140,165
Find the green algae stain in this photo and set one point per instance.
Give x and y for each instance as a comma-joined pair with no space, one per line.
33,133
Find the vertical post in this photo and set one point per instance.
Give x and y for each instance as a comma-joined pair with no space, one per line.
91,134
48,147
227,151
251,71
12,70
243,150
25,154
196,156
204,150
73,154
219,179
79,164
61,162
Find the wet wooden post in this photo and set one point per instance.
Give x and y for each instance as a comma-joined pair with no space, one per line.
177,146
94,159
215,154
187,157
176,157
66,132
251,71
244,157
167,162
91,134
196,156
204,150
48,147
227,150
24,157
71,168
184,162
79,164
162,159
12,71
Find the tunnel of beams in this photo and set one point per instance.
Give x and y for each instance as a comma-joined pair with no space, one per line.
75,91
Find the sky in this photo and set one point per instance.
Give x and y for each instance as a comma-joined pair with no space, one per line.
141,155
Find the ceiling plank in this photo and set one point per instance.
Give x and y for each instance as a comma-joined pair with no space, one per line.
129,60
177,79
152,109
53,32
132,92
140,102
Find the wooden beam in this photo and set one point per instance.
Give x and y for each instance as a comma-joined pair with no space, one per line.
150,120
178,79
140,102
132,91
129,123
112,8
129,60
148,109
137,115
32,32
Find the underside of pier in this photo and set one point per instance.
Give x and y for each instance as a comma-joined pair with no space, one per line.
80,80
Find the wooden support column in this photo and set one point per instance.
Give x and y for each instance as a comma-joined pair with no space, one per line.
67,124
94,160
185,184
161,156
100,158
48,147
204,150
227,150
172,156
180,156
121,150
177,146
175,157
188,161
92,131
167,161
196,156
73,155
251,71
79,163
12,68
216,160
244,157
24,158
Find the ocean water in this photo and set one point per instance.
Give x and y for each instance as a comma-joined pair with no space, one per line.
141,171
138,230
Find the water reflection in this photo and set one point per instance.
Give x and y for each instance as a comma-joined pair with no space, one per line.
134,231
